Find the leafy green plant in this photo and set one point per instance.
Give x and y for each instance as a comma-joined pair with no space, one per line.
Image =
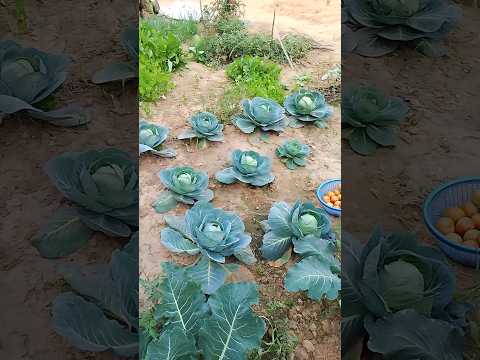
213,233
266,114
224,326
28,78
233,41
379,27
259,77
165,49
248,167
184,185
101,311
154,82
307,106
103,185
293,153
218,10
121,70
183,29
308,229
370,119
392,284
151,137
205,126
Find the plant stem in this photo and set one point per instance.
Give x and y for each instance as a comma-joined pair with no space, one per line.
21,15
273,22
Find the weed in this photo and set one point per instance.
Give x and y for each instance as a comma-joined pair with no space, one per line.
223,9
153,81
302,80
278,343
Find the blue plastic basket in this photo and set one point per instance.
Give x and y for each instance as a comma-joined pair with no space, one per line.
451,194
325,187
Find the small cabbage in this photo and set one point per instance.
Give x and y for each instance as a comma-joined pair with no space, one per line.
289,224
248,167
370,119
293,153
205,125
378,27
28,77
151,137
308,106
184,185
263,113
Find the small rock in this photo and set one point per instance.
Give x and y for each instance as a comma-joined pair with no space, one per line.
307,344
301,354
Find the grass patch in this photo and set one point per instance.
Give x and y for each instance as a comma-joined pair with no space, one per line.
231,40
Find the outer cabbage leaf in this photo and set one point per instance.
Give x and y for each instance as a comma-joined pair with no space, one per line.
233,329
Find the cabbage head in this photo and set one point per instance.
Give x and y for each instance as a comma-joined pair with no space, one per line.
184,185
390,278
370,119
205,125
28,77
260,113
151,137
212,232
103,182
287,225
293,153
120,71
308,106
248,167
379,27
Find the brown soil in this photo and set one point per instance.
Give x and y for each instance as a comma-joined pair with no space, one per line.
197,87
30,283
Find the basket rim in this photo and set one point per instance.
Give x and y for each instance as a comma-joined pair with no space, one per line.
431,227
323,184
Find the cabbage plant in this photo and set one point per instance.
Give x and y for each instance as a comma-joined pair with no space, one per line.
379,27
249,167
213,233
260,113
205,125
151,138
101,312
184,185
371,119
222,327
308,229
391,285
308,106
28,77
120,71
293,153
103,186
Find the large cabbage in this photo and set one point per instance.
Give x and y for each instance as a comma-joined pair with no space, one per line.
263,113
27,78
249,167
394,278
371,119
380,26
214,233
